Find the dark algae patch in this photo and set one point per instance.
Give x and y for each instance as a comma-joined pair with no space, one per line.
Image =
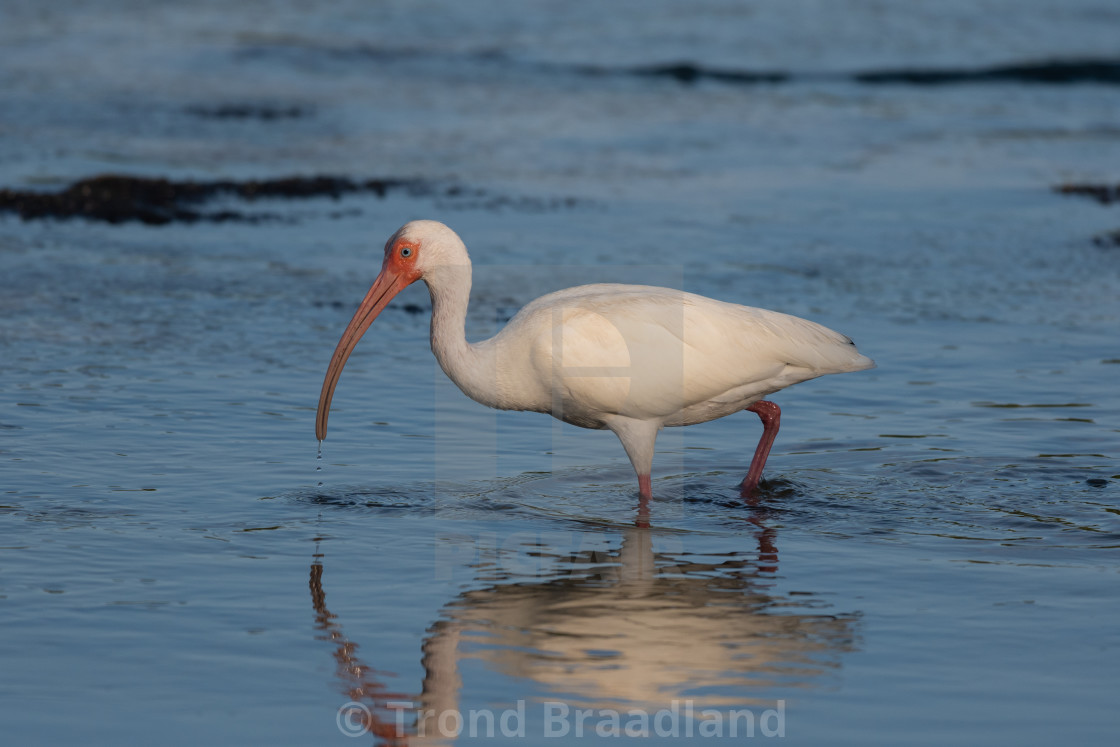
1105,194
1055,71
1050,72
248,111
114,198
687,72
1110,239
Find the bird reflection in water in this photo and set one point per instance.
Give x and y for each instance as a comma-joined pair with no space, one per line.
624,629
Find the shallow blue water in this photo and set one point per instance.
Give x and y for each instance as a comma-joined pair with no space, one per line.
934,554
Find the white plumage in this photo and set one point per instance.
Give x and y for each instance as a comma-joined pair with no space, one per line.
630,358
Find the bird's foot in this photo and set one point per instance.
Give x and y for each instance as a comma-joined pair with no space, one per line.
749,490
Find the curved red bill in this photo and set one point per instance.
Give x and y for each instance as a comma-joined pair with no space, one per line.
388,284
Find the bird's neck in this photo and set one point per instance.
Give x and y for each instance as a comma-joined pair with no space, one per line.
465,364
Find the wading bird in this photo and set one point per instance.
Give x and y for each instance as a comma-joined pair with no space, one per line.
631,358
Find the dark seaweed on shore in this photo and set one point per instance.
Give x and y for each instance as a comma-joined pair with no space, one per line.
1108,240
687,72
1105,194
1053,72
248,111
115,198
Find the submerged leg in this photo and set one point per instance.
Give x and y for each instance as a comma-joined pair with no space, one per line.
770,415
642,519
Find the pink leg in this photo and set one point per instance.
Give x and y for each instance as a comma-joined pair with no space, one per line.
645,487
771,415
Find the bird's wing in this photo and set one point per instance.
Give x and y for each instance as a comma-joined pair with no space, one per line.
649,352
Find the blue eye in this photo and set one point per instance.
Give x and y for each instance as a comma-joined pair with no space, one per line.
406,251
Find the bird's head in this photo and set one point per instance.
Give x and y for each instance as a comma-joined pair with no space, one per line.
421,249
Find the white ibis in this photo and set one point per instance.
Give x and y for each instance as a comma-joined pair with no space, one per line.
631,358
